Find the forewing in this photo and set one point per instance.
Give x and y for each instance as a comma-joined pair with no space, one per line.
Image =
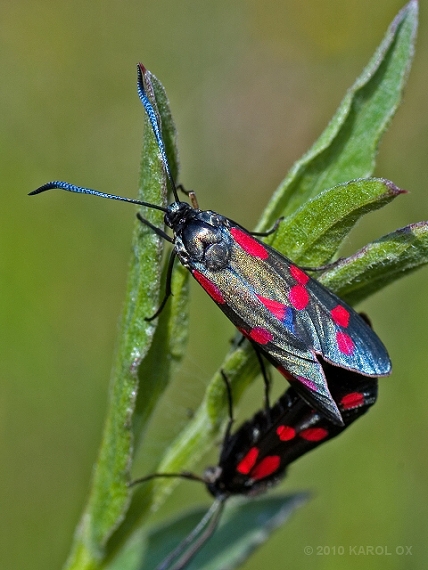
241,292
306,309
325,322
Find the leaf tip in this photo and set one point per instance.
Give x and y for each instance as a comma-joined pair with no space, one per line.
409,12
393,189
411,6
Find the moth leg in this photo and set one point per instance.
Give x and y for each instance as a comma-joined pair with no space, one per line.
191,194
267,383
183,189
269,232
266,379
157,230
230,404
168,291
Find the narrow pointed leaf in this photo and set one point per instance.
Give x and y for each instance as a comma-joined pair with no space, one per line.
109,494
380,263
347,148
244,526
313,234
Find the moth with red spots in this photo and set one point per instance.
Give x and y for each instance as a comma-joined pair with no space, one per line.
284,312
257,455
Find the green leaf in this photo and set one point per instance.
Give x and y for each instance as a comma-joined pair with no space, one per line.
347,148
245,525
137,360
315,231
379,263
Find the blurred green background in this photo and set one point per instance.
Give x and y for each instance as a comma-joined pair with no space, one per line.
251,85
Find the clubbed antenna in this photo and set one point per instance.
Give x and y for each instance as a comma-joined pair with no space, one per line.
154,121
82,190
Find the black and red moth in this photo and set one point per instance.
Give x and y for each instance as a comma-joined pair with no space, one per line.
257,455
285,313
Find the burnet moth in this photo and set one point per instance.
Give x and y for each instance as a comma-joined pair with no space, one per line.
257,455
285,313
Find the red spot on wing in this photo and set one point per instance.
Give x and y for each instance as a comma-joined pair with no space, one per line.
345,343
285,433
275,307
314,434
285,373
352,400
299,297
212,290
249,244
248,462
299,275
266,467
340,316
305,381
260,335
308,383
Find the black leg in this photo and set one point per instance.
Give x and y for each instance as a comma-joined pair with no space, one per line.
230,404
157,230
168,291
268,232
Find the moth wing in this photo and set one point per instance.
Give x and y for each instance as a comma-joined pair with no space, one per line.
234,293
333,328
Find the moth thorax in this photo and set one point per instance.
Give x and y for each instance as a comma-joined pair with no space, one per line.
217,256
206,244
